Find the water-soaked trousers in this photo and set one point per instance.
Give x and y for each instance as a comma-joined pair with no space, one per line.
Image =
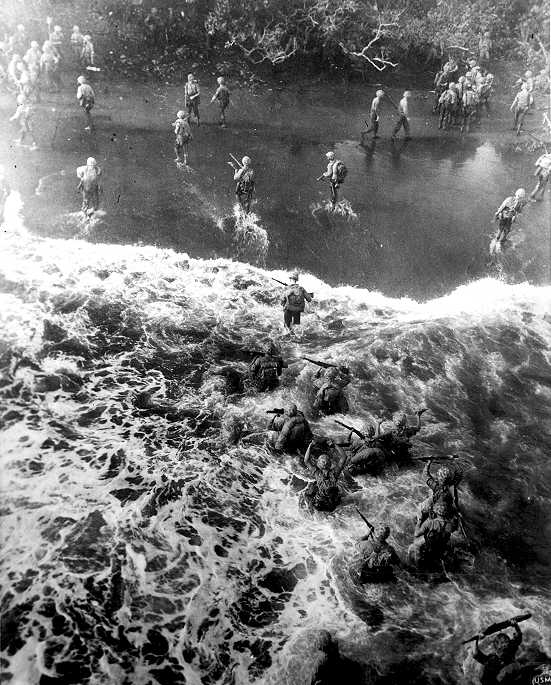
402,121
90,199
520,113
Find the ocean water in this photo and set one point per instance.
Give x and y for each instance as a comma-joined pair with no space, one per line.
138,549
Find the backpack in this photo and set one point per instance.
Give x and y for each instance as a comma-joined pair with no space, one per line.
245,185
330,397
507,212
340,171
268,372
295,298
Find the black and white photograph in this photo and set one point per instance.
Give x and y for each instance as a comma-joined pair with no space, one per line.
275,342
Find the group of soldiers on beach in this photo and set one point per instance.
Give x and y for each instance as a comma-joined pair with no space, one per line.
27,70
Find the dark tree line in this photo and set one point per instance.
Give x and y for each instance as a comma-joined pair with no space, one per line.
367,34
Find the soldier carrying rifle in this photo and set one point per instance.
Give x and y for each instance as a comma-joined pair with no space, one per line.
244,181
375,558
293,301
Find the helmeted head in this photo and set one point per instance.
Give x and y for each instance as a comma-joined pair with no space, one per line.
383,534
471,62
190,77
444,475
21,99
271,348
221,80
153,10
47,45
379,93
246,161
520,194
91,161
76,29
323,462
407,93
462,79
402,421
476,69
528,74
180,114
487,34
20,28
88,38
291,410
57,29
489,77
501,643
452,86
331,373
330,155
294,276
81,80
440,509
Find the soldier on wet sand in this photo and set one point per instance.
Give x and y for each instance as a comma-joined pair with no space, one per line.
192,97
182,131
507,213
335,174
244,182
23,116
374,113
222,96
403,117
89,184
86,99
543,170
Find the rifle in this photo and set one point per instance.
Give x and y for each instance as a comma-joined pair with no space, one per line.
351,428
287,284
278,412
371,528
235,160
496,627
392,101
327,365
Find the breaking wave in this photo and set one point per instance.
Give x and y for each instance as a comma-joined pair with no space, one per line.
140,548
